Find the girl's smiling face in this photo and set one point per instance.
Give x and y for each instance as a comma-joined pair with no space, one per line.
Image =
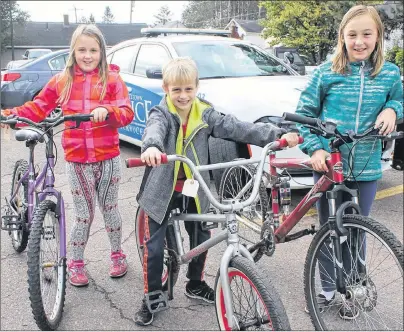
87,53
360,37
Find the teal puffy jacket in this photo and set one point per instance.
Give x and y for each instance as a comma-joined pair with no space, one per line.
353,101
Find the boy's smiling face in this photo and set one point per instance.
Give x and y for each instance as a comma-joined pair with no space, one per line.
182,95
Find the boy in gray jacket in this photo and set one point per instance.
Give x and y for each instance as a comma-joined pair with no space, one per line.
182,124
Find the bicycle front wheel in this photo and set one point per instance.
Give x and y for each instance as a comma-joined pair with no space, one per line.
256,304
234,184
373,273
46,269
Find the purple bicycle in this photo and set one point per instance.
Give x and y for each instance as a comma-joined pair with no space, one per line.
34,215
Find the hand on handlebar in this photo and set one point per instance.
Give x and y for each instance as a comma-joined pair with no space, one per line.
152,156
5,114
318,159
386,121
291,138
100,114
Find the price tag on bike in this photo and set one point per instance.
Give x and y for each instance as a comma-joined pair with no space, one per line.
190,188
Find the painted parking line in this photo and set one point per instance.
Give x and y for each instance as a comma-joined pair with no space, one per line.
379,195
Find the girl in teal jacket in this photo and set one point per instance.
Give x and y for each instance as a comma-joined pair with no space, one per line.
358,89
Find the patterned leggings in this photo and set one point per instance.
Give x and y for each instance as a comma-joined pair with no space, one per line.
87,181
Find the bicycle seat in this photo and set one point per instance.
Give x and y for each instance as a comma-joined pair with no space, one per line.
29,135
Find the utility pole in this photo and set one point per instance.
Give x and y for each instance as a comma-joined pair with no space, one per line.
132,6
75,11
12,34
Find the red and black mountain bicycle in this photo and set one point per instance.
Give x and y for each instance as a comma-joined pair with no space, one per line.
355,256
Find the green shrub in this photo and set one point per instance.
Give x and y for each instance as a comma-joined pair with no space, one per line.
395,55
399,60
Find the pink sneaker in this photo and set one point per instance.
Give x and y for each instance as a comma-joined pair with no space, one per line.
77,274
119,266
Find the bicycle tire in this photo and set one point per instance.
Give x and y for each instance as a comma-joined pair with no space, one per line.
263,199
43,320
360,222
274,308
171,243
20,168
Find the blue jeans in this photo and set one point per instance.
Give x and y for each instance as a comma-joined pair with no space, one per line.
367,193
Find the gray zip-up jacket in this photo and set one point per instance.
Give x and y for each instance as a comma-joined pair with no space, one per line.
162,131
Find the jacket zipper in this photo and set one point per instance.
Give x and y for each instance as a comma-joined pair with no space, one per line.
187,174
84,96
362,74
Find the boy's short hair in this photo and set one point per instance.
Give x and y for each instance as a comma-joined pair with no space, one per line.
182,70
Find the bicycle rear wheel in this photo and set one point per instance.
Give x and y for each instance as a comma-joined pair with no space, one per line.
170,242
233,181
256,304
19,238
373,273
46,269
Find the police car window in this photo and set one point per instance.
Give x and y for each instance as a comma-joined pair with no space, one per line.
123,58
150,56
216,59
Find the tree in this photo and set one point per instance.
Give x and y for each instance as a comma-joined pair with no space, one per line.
310,26
217,14
163,16
83,20
91,19
10,15
108,16
391,13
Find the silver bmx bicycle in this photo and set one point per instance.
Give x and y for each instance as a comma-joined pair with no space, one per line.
245,299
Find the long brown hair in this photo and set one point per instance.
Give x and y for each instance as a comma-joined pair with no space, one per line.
340,60
68,73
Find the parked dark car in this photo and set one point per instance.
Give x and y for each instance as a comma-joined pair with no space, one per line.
22,84
290,56
35,53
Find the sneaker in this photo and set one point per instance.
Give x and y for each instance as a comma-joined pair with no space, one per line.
323,303
348,311
119,266
200,290
77,273
144,317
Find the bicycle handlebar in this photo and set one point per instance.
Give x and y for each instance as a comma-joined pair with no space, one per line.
273,146
13,120
329,129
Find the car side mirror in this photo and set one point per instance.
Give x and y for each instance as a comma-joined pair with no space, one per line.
24,57
154,72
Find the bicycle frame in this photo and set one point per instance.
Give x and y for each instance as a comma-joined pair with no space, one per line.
228,217
334,176
46,181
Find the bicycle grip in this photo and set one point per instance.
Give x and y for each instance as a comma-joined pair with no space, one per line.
137,162
283,143
305,120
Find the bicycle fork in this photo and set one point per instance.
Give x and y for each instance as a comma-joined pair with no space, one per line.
338,236
233,249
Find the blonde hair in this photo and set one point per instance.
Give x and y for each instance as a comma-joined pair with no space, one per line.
340,60
68,73
180,70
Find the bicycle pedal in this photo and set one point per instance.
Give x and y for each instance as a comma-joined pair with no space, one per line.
10,223
158,303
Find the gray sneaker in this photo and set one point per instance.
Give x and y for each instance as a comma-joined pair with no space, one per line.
323,303
348,311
